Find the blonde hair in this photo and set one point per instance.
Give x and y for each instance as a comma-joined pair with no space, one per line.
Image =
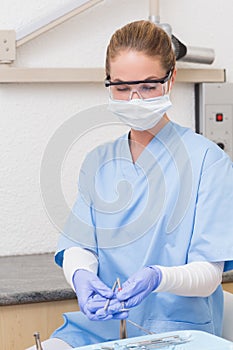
142,36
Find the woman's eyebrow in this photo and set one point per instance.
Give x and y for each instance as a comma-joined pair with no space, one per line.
153,77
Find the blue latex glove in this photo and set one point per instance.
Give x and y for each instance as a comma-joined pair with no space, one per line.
139,286
92,295
97,303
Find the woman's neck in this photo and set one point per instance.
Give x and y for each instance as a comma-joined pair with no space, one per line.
140,139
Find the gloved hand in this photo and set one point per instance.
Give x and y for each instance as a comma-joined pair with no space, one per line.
139,286
92,296
97,303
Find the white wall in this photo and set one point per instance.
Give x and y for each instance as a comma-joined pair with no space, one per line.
31,113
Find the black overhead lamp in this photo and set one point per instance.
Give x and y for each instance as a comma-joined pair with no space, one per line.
183,53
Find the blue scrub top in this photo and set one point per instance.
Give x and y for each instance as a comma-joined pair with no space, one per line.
173,206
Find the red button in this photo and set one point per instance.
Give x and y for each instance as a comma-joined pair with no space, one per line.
219,117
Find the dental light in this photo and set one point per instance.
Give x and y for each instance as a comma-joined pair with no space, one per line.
183,53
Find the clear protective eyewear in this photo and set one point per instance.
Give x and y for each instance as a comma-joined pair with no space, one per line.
124,90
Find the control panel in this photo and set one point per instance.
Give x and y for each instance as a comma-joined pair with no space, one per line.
214,113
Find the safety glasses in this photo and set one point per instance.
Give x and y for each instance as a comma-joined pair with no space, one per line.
123,90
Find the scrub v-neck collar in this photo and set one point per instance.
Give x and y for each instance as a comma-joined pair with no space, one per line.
134,169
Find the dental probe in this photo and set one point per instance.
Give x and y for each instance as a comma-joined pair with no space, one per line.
123,331
108,301
37,339
140,327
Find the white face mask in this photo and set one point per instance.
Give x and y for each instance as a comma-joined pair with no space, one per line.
140,114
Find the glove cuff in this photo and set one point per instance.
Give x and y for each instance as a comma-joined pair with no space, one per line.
159,275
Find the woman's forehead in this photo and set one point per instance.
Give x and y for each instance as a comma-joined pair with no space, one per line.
135,65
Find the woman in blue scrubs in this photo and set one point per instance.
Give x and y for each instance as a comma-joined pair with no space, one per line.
154,209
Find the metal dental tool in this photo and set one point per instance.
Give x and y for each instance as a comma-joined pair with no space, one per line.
155,343
140,327
38,342
108,301
151,344
123,331
159,343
